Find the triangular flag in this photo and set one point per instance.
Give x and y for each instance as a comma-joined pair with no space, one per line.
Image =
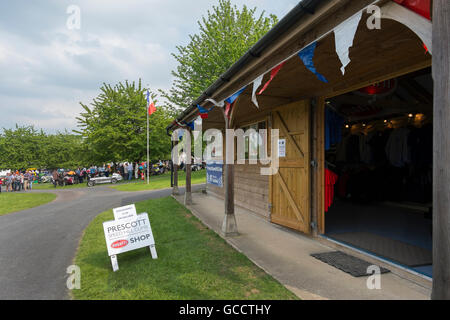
344,34
256,85
203,110
191,125
307,55
273,73
151,104
230,102
220,104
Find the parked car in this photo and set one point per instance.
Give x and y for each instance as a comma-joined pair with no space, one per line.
45,178
195,167
103,179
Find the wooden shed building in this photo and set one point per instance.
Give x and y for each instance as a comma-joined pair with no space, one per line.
360,165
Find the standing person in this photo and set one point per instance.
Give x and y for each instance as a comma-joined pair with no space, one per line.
78,174
9,182
83,175
1,183
55,177
130,171
122,170
32,178
125,171
16,181
26,180
22,181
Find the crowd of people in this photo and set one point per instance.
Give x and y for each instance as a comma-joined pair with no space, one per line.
18,181
23,180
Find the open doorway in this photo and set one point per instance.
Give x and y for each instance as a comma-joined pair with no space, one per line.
378,170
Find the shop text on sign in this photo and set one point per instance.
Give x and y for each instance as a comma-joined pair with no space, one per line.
127,234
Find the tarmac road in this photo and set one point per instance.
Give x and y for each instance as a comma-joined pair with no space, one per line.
37,245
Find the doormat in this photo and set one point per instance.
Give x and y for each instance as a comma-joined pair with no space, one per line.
351,265
394,250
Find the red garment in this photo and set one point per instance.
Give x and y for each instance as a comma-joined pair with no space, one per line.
422,7
330,180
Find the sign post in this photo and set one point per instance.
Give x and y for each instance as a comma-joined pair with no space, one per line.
129,231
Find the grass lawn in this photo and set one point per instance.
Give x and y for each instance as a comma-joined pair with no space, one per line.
193,263
13,202
163,181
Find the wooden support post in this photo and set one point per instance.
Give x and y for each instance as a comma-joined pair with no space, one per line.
175,190
314,175
188,193
229,225
441,151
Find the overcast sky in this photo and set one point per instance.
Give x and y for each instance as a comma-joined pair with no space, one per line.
47,69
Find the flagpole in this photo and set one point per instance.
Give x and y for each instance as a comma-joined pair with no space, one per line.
148,150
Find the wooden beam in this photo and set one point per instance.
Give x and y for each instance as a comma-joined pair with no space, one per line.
188,189
229,225
175,190
441,151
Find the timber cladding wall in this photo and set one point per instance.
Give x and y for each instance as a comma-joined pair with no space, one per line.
251,189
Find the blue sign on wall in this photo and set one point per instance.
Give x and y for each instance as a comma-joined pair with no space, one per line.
214,172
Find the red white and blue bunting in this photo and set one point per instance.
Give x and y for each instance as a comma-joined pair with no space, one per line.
344,38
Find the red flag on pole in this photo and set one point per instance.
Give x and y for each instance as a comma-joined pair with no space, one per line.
151,104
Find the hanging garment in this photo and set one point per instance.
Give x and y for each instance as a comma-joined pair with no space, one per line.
397,149
330,180
365,148
378,144
333,128
348,149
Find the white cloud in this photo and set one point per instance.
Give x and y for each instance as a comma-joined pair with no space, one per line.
47,69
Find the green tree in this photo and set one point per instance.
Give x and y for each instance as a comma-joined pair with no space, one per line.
63,150
114,126
226,33
20,148
24,147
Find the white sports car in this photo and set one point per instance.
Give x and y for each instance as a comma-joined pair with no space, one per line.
103,180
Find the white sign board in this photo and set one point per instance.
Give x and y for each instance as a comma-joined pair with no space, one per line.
282,148
127,234
126,212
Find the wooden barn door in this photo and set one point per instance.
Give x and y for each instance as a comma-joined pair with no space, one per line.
290,188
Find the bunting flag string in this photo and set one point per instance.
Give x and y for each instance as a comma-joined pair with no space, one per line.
273,74
344,39
307,55
344,34
256,85
220,104
191,125
204,112
230,102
